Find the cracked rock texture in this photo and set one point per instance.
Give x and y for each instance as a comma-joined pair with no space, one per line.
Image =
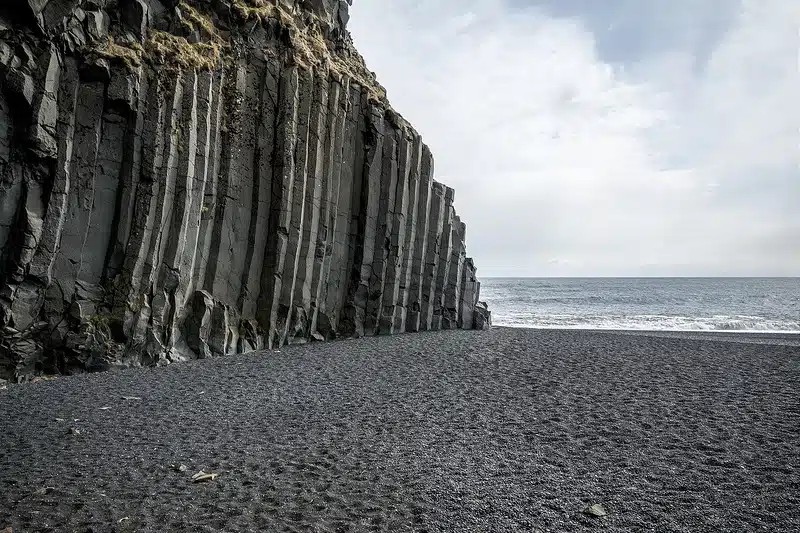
192,178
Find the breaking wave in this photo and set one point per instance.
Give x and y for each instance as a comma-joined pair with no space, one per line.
649,323
652,304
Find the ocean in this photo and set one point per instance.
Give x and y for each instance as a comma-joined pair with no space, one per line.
663,304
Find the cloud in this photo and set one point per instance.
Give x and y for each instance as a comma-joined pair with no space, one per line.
677,160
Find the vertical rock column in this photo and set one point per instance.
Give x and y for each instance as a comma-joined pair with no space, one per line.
195,164
88,119
255,144
470,294
345,230
208,158
385,170
400,174
452,296
368,249
304,284
445,256
421,243
351,319
131,301
57,205
409,239
436,221
168,298
320,327
324,314
9,186
286,308
127,91
277,245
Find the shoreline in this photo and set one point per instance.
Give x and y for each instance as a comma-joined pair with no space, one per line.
776,338
710,331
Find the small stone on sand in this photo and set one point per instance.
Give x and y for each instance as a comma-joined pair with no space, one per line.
596,510
204,476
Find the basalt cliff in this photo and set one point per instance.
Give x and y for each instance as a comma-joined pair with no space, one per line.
192,178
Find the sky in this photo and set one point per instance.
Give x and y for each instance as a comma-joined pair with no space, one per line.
613,138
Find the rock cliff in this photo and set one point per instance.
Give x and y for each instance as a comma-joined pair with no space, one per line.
194,178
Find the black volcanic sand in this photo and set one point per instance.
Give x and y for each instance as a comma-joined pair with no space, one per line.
506,430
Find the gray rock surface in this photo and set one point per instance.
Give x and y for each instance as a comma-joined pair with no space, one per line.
183,179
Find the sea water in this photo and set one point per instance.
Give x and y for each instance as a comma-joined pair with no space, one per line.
675,304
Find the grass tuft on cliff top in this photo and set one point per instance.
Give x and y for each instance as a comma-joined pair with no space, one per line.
129,54
261,10
310,49
170,49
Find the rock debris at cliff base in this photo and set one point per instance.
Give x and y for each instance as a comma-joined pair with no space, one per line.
183,179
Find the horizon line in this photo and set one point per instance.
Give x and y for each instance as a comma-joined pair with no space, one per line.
640,277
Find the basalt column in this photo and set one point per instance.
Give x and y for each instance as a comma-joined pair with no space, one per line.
184,179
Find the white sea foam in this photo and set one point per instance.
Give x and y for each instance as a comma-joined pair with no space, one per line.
729,305
726,323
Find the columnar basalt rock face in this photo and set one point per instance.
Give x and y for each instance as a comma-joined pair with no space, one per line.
195,178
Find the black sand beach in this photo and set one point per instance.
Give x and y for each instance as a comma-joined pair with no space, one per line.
504,430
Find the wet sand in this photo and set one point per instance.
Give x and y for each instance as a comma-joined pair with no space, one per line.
505,430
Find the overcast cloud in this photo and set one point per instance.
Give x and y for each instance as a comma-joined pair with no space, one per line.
622,137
